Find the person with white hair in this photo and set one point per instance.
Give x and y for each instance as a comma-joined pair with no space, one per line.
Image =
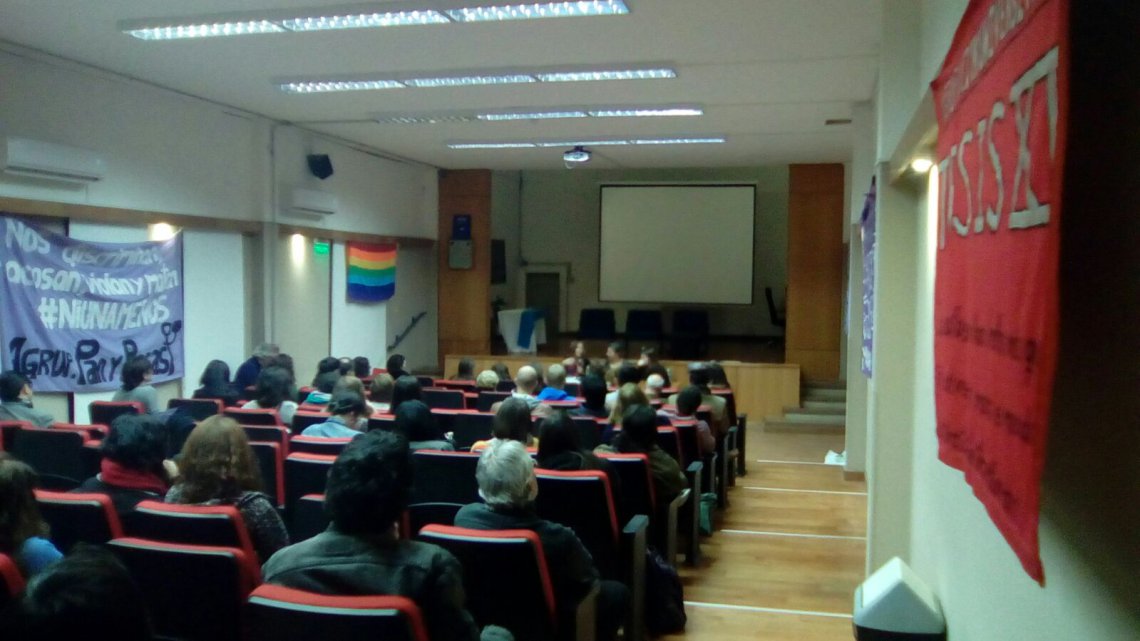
248,371
653,386
509,487
555,382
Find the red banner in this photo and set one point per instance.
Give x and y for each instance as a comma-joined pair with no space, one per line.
1002,103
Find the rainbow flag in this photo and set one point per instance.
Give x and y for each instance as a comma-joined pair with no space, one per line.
371,272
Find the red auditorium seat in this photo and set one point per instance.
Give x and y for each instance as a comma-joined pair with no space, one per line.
444,477
217,525
271,463
11,581
276,613
305,473
308,517
318,445
199,408
79,518
254,417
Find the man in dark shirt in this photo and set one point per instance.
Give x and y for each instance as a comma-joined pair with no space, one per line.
247,372
360,554
16,401
508,485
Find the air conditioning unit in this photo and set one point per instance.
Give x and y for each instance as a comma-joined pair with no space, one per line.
38,159
311,201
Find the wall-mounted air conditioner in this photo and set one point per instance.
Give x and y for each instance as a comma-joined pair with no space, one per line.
311,201
39,159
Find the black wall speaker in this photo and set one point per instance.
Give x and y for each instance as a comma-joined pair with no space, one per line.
320,165
498,262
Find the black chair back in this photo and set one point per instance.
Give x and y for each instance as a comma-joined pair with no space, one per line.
420,514
308,518
636,484
469,428
386,422
276,613
78,518
487,399
589,431
253,417
56,455
105,412
597,324
669,440
318,445
199,409
271,463
303,419
268,434
444,477
583,502
305,473
447,399
217,525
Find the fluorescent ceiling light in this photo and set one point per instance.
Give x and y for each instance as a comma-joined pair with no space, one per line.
327,86
468,81
609,74
678,141
640,112
582,143
201,29
490,145
536,10
423,119
538,115
364,20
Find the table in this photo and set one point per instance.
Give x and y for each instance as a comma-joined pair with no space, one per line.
522,329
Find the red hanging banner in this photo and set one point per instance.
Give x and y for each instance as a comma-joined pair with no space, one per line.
1002,103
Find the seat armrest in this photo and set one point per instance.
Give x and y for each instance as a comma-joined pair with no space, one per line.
741,433
720,475
672,521
584,624
693,513
633,543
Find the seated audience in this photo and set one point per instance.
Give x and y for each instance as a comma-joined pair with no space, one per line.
133,468
16,401
466,370
248,371
598,368
407,388
508,485
344,365
700,376
324,384
688,400
88,595
502,371
717,377
395,366
593,391
615,354
654,385
23,532
630,395
487,381
361,554
555,382
218,467
577,362
560,448
638,435
526,384
347,409
215,384
361,367
380,392
649,365
273,393
512,422
415,422
627,374
137,372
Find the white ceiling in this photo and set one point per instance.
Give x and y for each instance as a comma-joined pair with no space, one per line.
768,73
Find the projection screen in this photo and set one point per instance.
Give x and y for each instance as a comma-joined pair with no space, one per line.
690,244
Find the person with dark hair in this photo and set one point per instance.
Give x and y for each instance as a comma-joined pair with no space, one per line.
248,371
87,595
578,362
688,400
466,370
133,467
407,388
218,467
700,376
649,365
415,422
274,393
327,365
593,391
717,376
215,383
627,373
16,401
380,392
347,408
324,383
395,366
560,448
639,436
368,488
23,532
502,371
508,486
615,354
361,367
512,422
136,375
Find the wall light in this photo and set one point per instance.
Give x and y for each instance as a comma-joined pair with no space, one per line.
297,247
161,231
921,165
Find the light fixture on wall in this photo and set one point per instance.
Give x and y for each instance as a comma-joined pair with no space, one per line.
161,231
921,165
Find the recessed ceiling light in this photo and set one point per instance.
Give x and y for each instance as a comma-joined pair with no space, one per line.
608,74
468,81
200,29
537,115
490,145
327,86
364,20
639,112
537,10
678,141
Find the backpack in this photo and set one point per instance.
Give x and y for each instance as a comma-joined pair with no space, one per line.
664,596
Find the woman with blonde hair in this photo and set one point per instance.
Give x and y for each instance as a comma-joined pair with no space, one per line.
628,396
218,467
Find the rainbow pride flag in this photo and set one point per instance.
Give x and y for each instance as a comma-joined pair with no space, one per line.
371,272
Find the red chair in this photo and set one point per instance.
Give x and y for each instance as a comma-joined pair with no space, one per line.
507,583
199,408
487,399
58,456
444,399
318,445
217,525
463,386
191,591
417,515
79,518
305,473
254,417
11,581
105,412
268,434
305,418
386,422
276,613
90,432
664,520
271,462
444,477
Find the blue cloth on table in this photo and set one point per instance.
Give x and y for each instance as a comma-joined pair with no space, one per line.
526,326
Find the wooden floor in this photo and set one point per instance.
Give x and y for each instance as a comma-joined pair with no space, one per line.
789,552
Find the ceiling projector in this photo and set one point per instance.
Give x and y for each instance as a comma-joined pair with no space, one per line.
576,155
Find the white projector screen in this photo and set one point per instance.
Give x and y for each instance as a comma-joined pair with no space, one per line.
688,244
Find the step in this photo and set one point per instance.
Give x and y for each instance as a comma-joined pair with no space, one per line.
832,395
818,407
808,384
821,419
776,424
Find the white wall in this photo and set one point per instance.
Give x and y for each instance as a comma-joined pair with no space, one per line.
416,292
560,211
358,329
214,301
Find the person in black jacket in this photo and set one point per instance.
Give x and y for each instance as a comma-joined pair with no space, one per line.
133,468
508,485
215,383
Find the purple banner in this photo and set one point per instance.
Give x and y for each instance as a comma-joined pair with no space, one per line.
72,312
867,234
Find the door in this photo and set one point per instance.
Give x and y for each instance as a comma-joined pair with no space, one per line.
543,291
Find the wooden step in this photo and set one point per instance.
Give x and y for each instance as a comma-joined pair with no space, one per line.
825,394
777,424
808,384
818,407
